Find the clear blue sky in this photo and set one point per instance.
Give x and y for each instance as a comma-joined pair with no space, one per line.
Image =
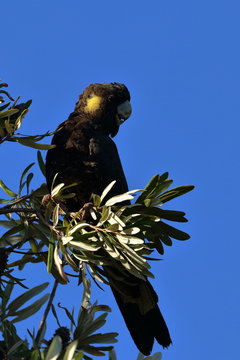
180,61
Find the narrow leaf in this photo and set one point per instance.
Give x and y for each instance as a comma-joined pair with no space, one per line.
175,192
22,299
7,190
51,248
119,198
70,350
41,163
33,144
13,230
173,232
149,187
7,113
57,188
30,310
77,227
107,189
84,246
24,174
69,315
54,349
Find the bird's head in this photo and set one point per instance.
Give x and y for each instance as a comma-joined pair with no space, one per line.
106,106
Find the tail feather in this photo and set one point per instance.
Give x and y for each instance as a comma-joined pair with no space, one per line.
147,326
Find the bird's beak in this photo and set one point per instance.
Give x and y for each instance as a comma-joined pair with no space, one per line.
124,110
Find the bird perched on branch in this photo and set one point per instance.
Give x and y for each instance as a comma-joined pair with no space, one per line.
86,154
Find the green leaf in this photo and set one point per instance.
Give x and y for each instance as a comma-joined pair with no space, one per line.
107,338
69,315
175,192
149,187
33,144
9,127
23,175
173,232
130,240
41,163
171,215
6,93
3,201
131,231
79,356
55,215
66,239
15,346
30,310
35,355
85,246
13,230
57,189
3,107
51,248
165,239
70,350
162,186
28,181
7,113
19,119
77,227
96,200
96,324
7,190
106,190
91,350
55,348
106,213
8,224
6,296
22,299
119,198
58,264
159,247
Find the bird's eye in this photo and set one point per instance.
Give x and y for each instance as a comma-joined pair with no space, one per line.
90,96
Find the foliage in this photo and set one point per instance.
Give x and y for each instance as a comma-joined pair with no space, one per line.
98,235
11,117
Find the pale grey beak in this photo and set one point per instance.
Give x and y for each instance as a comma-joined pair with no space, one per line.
124,110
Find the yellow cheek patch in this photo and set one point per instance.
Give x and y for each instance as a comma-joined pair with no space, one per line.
93,103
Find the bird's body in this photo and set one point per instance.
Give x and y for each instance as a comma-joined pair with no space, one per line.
85,154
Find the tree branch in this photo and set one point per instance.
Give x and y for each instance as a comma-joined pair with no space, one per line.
45,315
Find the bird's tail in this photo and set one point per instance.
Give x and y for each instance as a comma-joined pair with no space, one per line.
137,302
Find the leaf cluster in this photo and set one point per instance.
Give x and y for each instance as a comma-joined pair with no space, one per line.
121,237
11,117
82,334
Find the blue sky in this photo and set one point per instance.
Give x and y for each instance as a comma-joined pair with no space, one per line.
180,61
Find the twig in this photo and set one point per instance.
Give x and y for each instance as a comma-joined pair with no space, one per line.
17,201
44,318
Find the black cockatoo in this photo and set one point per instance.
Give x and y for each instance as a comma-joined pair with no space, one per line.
86,154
